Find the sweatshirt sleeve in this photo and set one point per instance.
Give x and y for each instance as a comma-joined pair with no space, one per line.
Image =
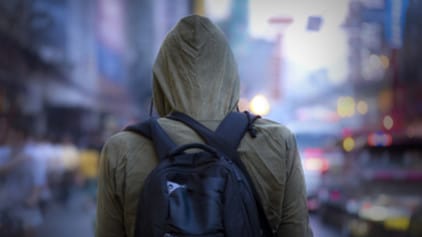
295,219
109,219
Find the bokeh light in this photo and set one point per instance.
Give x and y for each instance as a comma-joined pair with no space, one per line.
388,122
385,61
346,106
260,105
348,144
362,107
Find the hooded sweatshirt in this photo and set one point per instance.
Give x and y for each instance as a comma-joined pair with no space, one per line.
195,73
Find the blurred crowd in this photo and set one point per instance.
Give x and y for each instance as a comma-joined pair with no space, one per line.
37,171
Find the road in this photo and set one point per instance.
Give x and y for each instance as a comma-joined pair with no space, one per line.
321,230
76,219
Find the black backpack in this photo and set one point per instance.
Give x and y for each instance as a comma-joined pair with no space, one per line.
205,192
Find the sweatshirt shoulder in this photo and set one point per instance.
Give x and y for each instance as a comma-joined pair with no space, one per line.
122,139
121,143
274,127
276,131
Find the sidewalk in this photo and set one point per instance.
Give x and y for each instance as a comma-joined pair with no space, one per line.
77,219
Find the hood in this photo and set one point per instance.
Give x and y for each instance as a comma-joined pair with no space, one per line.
195,71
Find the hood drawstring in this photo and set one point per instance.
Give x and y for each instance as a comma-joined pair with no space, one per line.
251,127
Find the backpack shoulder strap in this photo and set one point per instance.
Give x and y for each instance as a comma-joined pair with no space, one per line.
153,131
234,127
141,128
230,131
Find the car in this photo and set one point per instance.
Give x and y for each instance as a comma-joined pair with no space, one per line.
318,157
379,190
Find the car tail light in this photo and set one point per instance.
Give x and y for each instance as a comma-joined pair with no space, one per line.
335,195
316,164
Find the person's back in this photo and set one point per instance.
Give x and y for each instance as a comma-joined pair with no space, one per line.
195,73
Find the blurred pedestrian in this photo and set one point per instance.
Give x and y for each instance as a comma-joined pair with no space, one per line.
55,168
69,156
43,154
196,73
7,164
88,171
20,190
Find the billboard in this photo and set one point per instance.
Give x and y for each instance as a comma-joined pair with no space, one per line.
110,45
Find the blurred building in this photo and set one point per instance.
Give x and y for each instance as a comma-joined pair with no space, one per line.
382,66
378,93
24,70
148,22
77,67
410,72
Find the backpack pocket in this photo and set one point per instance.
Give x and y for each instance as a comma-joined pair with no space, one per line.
195,205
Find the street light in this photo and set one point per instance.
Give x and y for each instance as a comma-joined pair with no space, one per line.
260,105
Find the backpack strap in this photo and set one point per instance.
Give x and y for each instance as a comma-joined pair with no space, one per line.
153,131
235,125
227,137
228,134
231,129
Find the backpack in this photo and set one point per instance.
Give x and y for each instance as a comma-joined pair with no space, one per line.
204,192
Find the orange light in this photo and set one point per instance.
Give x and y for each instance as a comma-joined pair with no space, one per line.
316,164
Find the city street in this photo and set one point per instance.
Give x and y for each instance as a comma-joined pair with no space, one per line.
78,220
321,230
336,84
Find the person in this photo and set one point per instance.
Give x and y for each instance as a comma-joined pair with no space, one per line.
70,160
195,73
88,171
20,189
